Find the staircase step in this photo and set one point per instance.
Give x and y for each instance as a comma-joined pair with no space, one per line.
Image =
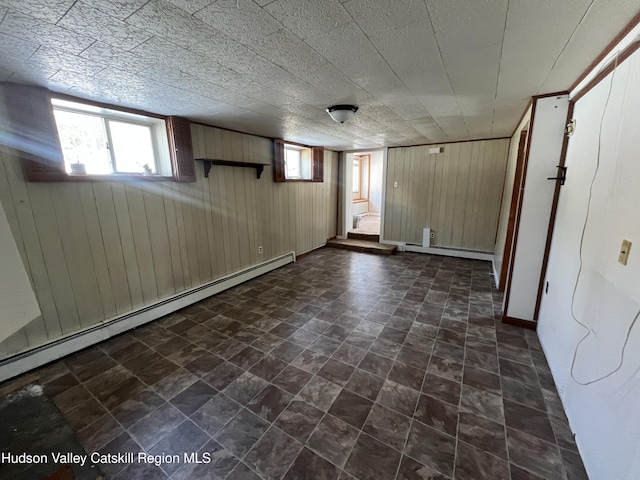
369,237
363,246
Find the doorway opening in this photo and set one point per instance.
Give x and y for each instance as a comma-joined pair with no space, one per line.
366,193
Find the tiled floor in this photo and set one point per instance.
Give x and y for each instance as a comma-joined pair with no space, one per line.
343,365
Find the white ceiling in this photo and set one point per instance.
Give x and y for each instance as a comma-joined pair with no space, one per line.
421,71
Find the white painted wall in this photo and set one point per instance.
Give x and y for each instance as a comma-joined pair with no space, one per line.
547,133
375,183
18,302
507,191
605,416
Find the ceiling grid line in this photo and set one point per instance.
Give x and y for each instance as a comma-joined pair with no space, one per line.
421,71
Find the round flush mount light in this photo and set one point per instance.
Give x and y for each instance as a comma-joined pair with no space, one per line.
342,113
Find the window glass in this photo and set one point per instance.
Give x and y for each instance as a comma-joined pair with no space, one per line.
132,147
297,162
99,141
83,139
292,163
356,176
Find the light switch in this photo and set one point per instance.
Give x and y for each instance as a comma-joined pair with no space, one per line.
624,252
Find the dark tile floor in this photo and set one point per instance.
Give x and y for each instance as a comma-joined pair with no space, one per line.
342,365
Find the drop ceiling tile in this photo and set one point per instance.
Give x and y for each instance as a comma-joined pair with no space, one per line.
50,11
28,70
103,53
528,72
119,9
172,24
589,40
66,61
94,23
470,36
157,50
242,20
32,29
376,17
191,6
360,62
420,68
285,49
306,19
18,47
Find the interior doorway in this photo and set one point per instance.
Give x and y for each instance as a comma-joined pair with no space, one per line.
366,192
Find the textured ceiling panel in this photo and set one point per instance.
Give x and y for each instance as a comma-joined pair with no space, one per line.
421,71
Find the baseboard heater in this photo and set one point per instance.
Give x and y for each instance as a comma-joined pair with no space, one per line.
449,252
38,356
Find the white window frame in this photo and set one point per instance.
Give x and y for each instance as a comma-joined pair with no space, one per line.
305,166
157,127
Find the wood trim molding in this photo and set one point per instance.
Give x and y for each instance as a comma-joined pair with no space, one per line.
529,104
552,218
626,53
607,50
515,195
552,94
507,295
519,322
447,143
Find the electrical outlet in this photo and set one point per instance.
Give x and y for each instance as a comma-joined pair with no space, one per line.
395,184
433,234
624,252
260,249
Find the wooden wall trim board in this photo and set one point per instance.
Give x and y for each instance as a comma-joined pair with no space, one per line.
449,142
552,94
626,53
607,50
36,357
507,294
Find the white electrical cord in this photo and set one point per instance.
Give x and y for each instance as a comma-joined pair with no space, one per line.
584,228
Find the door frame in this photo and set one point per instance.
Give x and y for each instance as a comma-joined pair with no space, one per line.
345,198
516,196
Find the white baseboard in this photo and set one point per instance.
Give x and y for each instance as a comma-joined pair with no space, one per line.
25,361
401,245
450,252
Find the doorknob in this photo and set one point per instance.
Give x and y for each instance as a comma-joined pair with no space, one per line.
562,177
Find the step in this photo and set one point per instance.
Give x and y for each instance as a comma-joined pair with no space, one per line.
369,237
363,246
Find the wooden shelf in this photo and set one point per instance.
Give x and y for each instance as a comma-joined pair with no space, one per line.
209,162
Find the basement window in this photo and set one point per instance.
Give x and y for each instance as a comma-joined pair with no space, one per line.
101,141
298,163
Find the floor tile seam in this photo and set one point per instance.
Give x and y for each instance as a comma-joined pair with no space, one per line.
110,414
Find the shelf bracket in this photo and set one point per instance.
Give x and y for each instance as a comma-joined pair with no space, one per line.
207,163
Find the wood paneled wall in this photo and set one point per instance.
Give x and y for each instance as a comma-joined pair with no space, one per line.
97,250
456,193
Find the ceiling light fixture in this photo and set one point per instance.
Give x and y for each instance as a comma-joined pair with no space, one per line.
342,113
